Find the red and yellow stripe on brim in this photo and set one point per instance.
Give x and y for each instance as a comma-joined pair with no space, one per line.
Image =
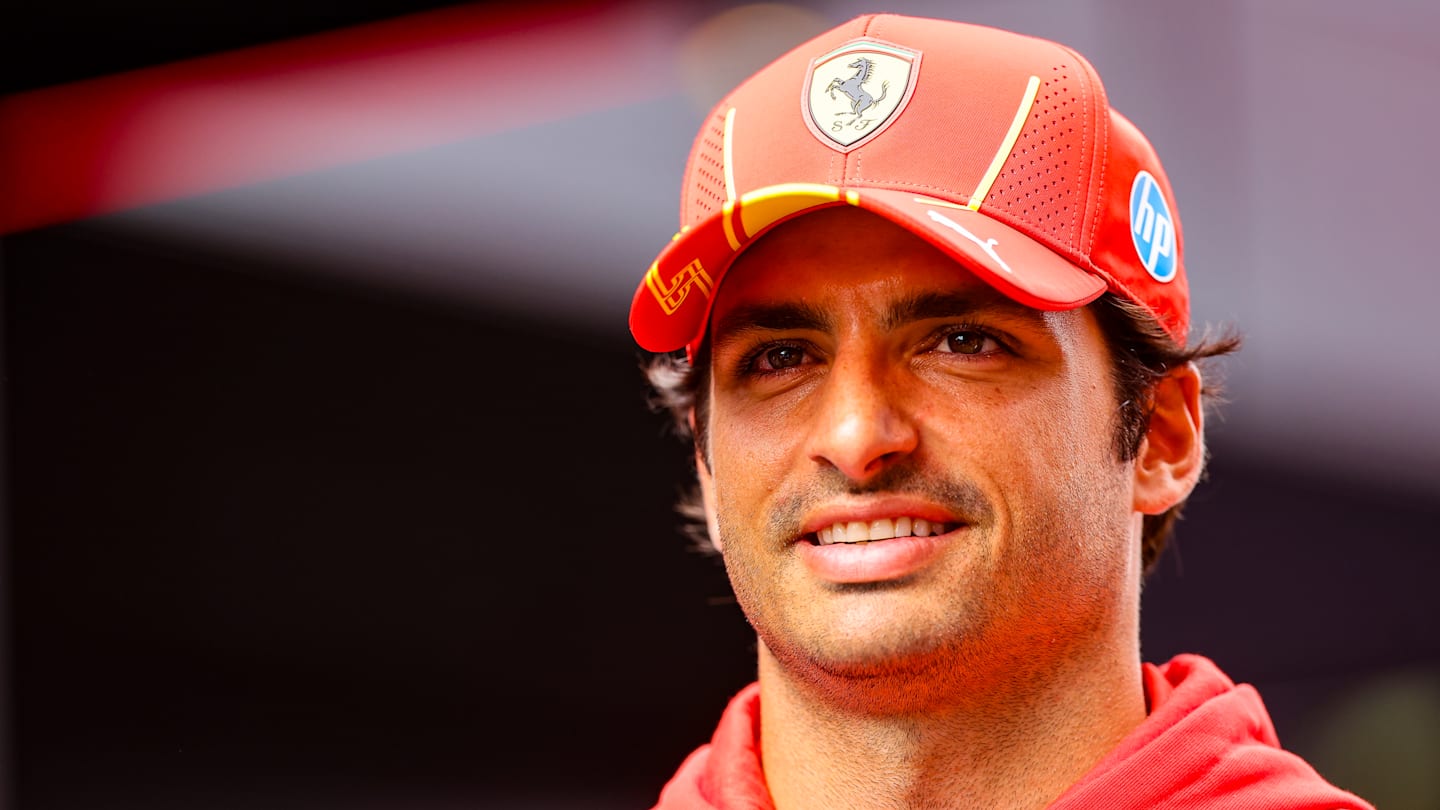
673,302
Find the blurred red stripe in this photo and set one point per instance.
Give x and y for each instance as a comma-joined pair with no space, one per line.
244,116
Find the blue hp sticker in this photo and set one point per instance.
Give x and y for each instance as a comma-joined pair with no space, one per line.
1152,228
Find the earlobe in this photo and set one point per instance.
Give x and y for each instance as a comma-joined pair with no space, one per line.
1172,453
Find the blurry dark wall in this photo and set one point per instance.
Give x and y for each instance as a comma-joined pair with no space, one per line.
286,545
271,541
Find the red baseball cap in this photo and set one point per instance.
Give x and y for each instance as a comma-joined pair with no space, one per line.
999,149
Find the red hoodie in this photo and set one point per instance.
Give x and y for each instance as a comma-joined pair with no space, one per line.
1206,743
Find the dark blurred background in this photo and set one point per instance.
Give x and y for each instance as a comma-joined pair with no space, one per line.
333,483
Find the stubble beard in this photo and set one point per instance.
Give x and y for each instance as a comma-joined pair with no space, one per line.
901,666
995,627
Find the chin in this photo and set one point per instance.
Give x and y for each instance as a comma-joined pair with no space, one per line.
892,668
871,654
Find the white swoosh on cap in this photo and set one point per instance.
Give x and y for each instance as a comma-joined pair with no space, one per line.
987,245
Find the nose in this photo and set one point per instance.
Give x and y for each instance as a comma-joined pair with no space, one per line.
861,425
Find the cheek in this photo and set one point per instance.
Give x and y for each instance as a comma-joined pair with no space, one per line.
1079,423
1088,503
1081,403
759,434
1045,448
749,457
1024,428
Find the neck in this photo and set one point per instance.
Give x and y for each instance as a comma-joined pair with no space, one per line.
1017,742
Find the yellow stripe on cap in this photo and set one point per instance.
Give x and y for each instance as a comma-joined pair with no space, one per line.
764,207
727,221
943,203
1032,88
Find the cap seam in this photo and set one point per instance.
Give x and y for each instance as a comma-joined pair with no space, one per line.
870,29
870,23
1089,163
1102,132
1089,231
863,183
1099,190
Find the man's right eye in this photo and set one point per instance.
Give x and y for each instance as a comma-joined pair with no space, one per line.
780,357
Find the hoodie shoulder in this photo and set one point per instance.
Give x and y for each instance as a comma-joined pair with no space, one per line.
1207,742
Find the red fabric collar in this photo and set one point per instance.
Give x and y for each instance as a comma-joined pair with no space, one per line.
1205,741
726,773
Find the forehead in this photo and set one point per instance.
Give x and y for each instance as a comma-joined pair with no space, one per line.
846,256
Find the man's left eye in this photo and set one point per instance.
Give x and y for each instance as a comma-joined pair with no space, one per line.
967,341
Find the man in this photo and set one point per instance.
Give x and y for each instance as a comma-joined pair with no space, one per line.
934,314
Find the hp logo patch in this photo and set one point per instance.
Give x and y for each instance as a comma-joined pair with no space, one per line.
1152,228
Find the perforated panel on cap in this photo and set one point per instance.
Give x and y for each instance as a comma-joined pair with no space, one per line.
706,194
1036,183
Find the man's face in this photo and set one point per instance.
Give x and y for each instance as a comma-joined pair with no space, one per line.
860,378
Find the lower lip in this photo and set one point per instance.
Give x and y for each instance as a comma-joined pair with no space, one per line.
875,561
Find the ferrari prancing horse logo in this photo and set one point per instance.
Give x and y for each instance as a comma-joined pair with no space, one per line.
855,92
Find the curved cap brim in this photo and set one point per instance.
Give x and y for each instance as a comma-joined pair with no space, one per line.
672,304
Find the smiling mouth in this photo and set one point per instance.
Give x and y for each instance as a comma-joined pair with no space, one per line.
864,531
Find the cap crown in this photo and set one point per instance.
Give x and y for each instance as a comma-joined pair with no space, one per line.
1016,127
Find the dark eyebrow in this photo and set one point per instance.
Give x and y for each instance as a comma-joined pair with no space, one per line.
779,317
926,305
918,307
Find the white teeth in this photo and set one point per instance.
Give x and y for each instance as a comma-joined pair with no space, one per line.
856,531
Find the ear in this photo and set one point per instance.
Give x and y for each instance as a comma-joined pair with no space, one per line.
707,492
1172,454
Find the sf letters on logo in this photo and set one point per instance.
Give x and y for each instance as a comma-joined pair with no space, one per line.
672,294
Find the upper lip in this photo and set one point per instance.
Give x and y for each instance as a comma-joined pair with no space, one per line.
870,509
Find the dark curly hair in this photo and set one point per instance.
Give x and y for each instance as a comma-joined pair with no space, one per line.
1141,353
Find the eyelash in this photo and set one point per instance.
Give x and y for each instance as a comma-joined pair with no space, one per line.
750,364
939,336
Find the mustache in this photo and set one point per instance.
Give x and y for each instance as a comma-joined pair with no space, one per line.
955,494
